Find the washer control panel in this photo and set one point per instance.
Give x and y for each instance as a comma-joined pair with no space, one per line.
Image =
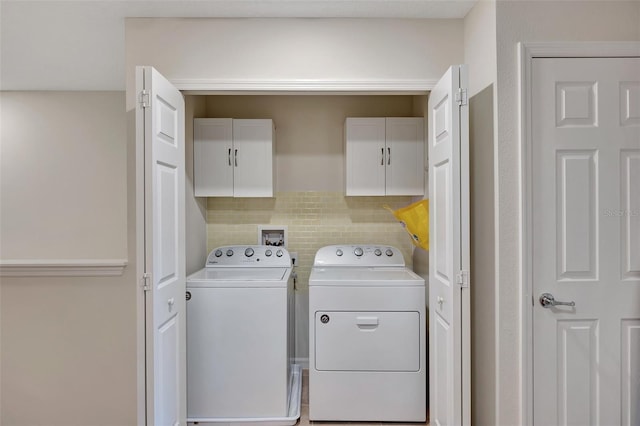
255,255
359,255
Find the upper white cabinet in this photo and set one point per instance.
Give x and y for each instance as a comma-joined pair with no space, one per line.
234,157
384,156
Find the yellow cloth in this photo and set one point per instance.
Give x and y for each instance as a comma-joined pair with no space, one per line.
415,220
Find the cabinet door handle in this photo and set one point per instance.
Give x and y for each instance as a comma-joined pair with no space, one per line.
388,156
382,156
229,156
235,157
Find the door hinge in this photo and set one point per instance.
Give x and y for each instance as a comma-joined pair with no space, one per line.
461,97
463,279
144,99
146,281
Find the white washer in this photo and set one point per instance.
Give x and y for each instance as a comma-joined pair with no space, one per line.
240,339
367,336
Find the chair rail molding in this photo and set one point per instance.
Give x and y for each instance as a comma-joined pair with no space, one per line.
62,267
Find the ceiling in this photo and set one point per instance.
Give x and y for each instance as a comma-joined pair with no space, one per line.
79,45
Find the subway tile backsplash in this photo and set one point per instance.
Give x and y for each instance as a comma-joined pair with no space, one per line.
313,219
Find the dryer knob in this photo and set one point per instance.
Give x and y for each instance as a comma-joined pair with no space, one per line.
218,253
229,253
268,253
358,251
389,252
279,253
378,252
248,252
339,253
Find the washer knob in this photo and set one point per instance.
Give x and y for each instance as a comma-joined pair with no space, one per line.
389,252
358,251
218,253
248,252
268,253
339,253
279,253
229,253
378,252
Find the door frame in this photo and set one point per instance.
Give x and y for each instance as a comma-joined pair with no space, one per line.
526,53
221,87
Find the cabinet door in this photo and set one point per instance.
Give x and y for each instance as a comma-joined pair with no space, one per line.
365,156
405,156
253,152
212,157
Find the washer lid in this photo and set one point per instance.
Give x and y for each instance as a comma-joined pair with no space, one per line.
240,274
370,276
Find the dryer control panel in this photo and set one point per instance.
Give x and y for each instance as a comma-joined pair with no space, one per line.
359,255
252,255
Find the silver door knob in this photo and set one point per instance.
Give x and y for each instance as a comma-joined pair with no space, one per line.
547,301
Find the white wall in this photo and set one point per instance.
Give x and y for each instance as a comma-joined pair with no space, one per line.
63,175
529,21
329,50
483,258
480,45
68,343
68,351
480,57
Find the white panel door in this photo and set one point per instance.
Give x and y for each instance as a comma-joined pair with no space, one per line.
405,156
160,127
213,157
586,240
365,156
449,314
253,150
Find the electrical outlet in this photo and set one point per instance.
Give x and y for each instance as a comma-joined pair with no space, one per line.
294,258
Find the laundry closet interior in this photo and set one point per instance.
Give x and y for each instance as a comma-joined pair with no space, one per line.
302,190
309,189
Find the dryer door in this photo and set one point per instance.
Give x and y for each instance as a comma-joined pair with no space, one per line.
367,341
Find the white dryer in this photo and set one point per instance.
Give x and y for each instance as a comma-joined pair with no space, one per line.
240,339
367,336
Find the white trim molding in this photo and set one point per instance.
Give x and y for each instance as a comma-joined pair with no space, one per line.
596,49
527,52
62,267
323,87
